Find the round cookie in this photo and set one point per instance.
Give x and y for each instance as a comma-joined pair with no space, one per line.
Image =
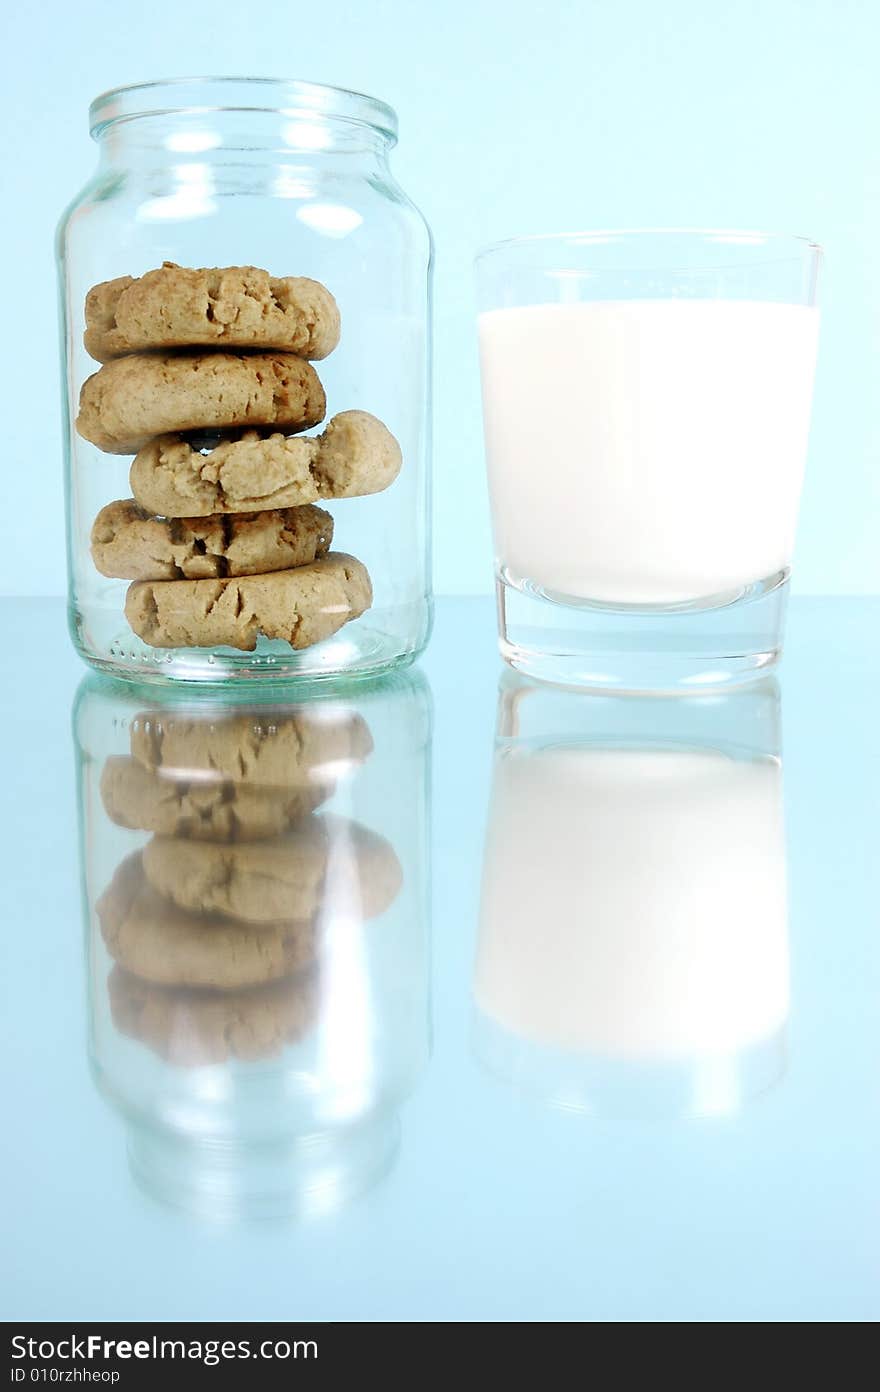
325,867
130,400
301,607
129,544
191,1028
356,455
198,809
228,307
286,747
264,882
153,938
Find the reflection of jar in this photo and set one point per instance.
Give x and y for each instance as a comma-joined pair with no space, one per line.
257,887
291,178
646,839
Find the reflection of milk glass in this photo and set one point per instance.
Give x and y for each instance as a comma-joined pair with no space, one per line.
256,885
633,946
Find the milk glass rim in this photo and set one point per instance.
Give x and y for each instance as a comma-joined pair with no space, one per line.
206,93
738,237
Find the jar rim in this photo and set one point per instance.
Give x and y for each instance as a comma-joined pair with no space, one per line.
629,236
166,96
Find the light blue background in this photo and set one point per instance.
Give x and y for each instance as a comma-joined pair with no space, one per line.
515,117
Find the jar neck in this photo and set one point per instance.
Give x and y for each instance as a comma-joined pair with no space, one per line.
212,137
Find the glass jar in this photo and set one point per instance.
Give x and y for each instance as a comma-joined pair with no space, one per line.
258,1040
293,179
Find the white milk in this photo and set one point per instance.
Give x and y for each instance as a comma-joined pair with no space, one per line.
646,451
634,903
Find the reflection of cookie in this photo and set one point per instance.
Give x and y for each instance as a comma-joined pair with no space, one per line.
131,545
189,1027
132,399
355,455
327,866
233,307
200,809
283,747
157,941
302,606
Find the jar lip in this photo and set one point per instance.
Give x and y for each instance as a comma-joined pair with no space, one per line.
166,96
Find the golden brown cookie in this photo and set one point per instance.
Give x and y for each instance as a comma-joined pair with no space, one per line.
129,544
228,307
281,747
130,400
152,937
199,809
190,1028
355,455
326,866
301,607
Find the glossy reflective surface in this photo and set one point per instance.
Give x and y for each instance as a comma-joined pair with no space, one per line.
448,998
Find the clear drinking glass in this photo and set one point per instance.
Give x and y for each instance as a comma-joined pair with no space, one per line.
646,402
647,839
292,178
256,898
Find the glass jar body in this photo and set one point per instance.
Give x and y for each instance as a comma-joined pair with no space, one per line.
252,1086
297,192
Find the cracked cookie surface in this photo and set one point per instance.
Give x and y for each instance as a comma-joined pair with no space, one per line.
355,455
160,942
189,1027
232,306
328,865
267,748
130,400
199,809
300,607
130,544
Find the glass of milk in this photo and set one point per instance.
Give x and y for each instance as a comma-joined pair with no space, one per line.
646,404
633,945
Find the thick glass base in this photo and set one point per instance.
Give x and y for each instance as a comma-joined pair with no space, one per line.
381,641
711,1084
720,641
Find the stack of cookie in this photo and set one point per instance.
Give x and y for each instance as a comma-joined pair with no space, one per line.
215,927
207,381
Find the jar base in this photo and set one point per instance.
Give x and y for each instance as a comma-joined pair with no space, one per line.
358,650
